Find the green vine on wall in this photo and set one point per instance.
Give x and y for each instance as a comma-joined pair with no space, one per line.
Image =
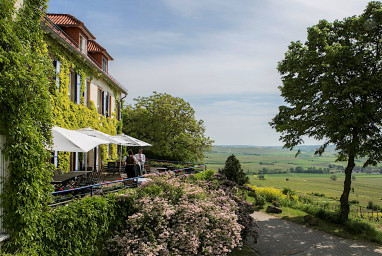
31,104
70,115
25,121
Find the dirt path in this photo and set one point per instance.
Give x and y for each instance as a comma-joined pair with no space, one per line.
279,237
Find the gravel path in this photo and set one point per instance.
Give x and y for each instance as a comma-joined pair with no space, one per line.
280,237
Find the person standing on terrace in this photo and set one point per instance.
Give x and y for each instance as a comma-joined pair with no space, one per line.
141,159
131,161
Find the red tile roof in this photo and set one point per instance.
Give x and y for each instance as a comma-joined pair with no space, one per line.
64,19
93,46
53,28
67,20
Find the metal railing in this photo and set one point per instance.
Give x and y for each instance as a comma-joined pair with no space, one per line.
66,196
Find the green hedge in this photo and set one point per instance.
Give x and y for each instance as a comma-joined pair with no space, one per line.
79,228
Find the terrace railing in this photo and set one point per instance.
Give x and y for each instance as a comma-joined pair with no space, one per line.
66,196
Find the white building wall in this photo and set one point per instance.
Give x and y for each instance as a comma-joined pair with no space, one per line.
95,84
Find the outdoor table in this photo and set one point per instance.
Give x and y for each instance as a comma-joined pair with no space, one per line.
65,179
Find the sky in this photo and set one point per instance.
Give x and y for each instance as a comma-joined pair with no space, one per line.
219,55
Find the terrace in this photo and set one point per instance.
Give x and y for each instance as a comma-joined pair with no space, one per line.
74,185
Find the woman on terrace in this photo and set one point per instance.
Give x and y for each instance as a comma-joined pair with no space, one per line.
131,161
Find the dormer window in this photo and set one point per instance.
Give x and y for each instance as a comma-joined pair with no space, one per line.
83,44
104,64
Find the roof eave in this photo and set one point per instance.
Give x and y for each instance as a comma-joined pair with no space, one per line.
88,61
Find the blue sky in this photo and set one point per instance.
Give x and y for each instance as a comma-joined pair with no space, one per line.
218,55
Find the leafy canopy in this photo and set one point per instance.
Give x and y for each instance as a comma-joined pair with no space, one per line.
332,85
169,124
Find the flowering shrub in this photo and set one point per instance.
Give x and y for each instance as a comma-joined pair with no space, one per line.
270,194
178,217
238,194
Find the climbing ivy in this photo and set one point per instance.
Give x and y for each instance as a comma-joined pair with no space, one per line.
26,119
70,115
31,104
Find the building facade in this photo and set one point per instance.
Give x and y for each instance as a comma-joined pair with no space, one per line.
86,95
83,94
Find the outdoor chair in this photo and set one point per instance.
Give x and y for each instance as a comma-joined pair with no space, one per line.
97,177
86,180
111,164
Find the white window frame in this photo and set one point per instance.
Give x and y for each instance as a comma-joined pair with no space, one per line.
104,64
83,44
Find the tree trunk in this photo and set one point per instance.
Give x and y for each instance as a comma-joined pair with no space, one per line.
344,211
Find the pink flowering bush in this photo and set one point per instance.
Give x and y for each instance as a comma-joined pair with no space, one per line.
174,216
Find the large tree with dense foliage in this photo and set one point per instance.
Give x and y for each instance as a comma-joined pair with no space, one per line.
332,85
25,118
233,171
169,124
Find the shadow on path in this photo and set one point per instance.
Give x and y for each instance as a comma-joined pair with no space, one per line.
278,237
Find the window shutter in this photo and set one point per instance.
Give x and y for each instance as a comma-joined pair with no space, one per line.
85,93
77,95
119,110
107,105
103,103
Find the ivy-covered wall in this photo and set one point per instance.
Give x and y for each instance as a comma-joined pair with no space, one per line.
70,115
31,104
25,119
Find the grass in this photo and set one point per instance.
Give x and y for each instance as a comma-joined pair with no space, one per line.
367,187
255,158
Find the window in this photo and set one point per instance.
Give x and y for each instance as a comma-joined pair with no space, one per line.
57,66
99,101
104,64
74,87
83,44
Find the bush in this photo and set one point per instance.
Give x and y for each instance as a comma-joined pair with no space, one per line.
79,228
288,192
353,202
373,206
364,230
232,170
261,177
260,201
205,175
177,217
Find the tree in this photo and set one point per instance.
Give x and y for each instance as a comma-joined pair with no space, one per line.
169,124
333,177
332,85
232,170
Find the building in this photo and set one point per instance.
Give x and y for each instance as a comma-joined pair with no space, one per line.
82,76
84,95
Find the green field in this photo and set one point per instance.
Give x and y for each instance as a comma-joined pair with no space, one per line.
367,187
271,157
